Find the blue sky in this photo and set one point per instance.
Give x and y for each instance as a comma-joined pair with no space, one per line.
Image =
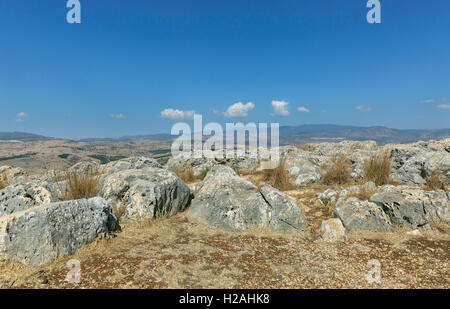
128,61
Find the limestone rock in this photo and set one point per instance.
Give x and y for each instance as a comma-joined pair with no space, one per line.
332,230
149,192
23,196
362,215
226,201
41,234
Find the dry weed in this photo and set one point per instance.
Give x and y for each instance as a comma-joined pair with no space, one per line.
338,172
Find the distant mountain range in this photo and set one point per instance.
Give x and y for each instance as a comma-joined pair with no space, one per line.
291,135
382,135
21,136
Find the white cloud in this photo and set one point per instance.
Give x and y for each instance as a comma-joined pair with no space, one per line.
176,114
427,101
117,116
303,110
238,110
363,108
20,117
443,106
280,108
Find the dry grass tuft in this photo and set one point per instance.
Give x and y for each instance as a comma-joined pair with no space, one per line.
279,177
435,182
119,211
338,172
363,194
3,181
377,168
303,147
83,185
306,147
186,175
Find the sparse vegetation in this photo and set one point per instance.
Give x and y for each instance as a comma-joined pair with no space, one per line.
378,168
3,181
204,173
338,172
279,177
306,147
435,182
22,156
106,159
187,175
363,194
84,185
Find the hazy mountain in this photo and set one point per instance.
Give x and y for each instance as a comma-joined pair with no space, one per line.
155,137
383,135
289,135
21,136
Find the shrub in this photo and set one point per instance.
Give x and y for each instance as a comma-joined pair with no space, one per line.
186,175
204,173
377,168
84,185
279,177
306,147
338,172
435,182
363,194
3,181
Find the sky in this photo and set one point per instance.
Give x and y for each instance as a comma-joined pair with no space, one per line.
138,67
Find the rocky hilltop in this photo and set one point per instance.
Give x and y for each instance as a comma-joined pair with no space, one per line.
38,224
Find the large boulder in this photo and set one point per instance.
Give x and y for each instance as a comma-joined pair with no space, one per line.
23,196
229,202
361,215
387,206
198,162
413,163
41,234
146,193
130,163
412,206
13,175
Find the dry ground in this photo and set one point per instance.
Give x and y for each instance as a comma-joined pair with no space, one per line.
178,253
38,157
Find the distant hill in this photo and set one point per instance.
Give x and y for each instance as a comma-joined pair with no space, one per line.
155,137
288,135
317,133
382,135
21,136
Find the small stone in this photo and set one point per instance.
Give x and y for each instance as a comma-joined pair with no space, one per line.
332,230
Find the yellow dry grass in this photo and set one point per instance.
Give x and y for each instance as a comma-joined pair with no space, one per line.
279,177
435,182
81,185
3,181
338,172
187,175
363,194
378,168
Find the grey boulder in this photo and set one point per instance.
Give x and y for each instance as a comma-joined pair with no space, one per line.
23,196
413,207
228,202
361,215
41,234
146,193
